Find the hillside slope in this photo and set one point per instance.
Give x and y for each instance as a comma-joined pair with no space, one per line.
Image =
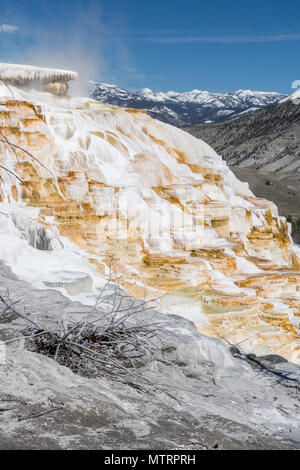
281,188
268,140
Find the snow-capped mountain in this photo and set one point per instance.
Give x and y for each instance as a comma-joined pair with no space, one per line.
188,108
295,97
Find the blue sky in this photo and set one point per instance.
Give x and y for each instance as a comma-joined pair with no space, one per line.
164,45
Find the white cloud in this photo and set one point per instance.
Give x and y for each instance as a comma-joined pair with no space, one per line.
8,28
222,39
129,69
296,84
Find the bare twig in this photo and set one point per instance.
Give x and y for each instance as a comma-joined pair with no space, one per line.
12,173
28,153
8,87
12,148
40,414
18,313
261,365
8,307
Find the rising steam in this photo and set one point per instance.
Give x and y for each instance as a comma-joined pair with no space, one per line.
72,36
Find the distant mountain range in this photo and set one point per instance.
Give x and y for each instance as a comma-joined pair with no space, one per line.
189,108
267,140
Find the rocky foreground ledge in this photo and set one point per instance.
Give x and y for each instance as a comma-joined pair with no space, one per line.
206,394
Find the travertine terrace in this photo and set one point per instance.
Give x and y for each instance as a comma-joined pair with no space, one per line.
116,184
54,81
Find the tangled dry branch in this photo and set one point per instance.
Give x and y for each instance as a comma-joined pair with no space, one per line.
115,344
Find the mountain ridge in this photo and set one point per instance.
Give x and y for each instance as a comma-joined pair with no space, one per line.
186,108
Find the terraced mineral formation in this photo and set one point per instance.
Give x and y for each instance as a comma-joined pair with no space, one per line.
54,81
102,183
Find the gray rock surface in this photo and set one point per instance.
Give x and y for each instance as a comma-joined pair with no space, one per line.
202,398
